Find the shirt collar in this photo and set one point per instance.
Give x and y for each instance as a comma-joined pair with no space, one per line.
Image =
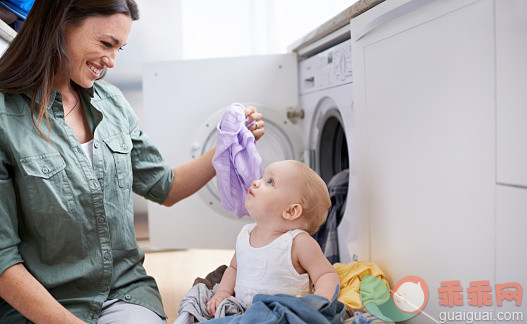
57,95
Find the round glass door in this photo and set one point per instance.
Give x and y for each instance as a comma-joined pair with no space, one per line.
280,142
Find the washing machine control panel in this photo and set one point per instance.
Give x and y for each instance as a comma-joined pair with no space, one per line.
326,69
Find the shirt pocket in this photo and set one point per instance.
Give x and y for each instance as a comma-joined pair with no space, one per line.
46,182
43,166
52,217
121,146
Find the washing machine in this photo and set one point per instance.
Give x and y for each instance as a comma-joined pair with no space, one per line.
306,100
326,98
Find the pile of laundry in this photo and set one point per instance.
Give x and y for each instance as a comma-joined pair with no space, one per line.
346,306
351,276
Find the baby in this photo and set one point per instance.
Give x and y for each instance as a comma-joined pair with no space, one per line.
277,255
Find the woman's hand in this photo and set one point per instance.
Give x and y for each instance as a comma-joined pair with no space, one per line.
258,127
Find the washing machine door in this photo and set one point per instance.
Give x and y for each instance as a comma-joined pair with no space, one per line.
184,101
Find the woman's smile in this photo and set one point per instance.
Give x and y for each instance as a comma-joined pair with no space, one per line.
95,70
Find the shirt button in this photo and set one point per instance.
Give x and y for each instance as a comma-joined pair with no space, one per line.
105,288
124,146
96,145
45,170
100,219
127,297
107,256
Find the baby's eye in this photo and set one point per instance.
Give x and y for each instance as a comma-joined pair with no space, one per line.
270,181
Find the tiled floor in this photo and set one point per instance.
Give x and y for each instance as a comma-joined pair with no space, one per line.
175,272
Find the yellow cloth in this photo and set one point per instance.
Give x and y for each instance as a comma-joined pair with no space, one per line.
350,278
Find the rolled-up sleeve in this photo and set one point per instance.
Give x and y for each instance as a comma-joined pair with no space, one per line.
152,176
9,239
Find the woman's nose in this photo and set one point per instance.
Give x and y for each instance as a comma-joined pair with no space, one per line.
109,60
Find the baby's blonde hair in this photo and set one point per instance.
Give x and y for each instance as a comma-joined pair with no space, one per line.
314,198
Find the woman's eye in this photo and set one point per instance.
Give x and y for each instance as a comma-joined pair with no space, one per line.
106,44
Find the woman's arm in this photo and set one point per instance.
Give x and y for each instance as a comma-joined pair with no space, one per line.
192,176
23,292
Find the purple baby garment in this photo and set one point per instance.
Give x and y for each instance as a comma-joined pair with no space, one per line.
236,160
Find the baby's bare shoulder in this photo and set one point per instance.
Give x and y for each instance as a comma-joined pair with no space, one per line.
303,247
304,243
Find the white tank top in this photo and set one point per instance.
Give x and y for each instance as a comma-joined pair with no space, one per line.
267,269
88,150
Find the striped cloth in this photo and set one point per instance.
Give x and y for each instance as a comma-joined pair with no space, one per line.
327,235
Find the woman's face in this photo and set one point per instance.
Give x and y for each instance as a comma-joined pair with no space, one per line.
94,45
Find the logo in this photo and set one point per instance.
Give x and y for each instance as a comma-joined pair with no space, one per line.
407,299
410,295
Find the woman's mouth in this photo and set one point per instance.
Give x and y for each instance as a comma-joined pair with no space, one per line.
96,72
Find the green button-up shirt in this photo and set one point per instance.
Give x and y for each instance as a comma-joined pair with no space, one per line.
71,224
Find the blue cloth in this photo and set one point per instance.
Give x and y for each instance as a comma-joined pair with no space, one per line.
19,7
17,24
283,309
360,318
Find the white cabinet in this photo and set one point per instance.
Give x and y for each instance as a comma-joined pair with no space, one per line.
511,72
425,100
511,222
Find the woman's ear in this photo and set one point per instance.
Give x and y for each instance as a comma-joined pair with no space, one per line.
292,212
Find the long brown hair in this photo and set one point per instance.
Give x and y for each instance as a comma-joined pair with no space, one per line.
38,52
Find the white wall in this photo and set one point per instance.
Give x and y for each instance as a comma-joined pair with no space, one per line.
195,29
214,28
434,92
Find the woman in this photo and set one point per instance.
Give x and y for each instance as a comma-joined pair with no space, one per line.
67,245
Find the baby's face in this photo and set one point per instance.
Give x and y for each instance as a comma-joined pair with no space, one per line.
278,188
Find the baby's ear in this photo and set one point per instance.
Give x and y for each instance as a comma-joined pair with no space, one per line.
292,212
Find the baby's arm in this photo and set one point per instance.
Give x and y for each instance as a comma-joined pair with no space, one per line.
311,259
225,288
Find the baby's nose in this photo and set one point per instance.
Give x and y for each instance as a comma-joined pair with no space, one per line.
256,183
